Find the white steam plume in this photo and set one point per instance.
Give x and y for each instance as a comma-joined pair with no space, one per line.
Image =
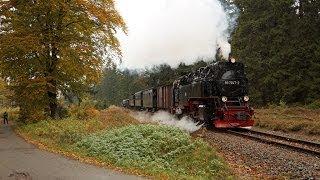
165,118
171,31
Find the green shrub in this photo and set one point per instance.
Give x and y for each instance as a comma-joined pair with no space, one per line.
63,111
69,137
296,126
65,131
314,105
155,149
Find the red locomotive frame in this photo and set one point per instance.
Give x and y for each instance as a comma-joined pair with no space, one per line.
229,114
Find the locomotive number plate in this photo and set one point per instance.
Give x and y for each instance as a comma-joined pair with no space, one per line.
231,82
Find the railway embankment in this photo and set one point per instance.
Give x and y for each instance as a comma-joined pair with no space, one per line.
114,139
250,158
297,121
269,154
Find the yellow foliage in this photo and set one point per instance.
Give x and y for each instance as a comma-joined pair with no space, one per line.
116,116
92,112
48,46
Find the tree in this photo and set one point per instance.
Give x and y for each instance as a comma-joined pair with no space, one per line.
159,75
5,94
278,40
232,14
47,46
118,85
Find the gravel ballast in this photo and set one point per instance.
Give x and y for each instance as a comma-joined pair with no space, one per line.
250,158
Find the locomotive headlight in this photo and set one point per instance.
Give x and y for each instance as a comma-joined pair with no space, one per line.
246,98
233,60
224,99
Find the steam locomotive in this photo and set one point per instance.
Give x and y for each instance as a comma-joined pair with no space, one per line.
216,95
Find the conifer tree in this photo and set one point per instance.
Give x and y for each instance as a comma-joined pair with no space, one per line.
279,42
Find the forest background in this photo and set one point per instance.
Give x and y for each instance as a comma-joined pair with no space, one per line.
49,50
278,41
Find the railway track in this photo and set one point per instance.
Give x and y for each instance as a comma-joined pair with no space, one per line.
299,145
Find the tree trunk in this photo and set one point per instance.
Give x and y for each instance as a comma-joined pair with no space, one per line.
52,95
52,83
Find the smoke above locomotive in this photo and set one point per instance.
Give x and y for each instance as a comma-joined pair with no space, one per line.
172,31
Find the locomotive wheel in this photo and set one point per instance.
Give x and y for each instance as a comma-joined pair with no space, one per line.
208,118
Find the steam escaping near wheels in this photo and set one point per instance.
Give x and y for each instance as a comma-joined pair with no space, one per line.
162,117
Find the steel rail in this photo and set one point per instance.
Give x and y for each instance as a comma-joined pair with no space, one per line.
285,138
274,140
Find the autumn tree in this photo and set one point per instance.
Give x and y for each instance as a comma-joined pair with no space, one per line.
48,46
5,94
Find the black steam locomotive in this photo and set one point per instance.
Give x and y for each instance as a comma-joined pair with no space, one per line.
216,95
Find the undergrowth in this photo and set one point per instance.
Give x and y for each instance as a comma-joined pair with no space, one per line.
117,139
155,150
294,119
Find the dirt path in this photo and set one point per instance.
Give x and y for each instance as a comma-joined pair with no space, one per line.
20,160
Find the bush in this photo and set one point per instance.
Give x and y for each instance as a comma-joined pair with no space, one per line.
155,149
86,110
63,111
314,105
65,131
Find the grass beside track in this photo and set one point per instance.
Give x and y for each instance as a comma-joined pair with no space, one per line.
117,140
295,119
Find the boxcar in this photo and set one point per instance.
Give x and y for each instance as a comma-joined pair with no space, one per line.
131,101
149,98
138,101
164,97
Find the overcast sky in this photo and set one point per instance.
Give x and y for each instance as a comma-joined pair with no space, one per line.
170,31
